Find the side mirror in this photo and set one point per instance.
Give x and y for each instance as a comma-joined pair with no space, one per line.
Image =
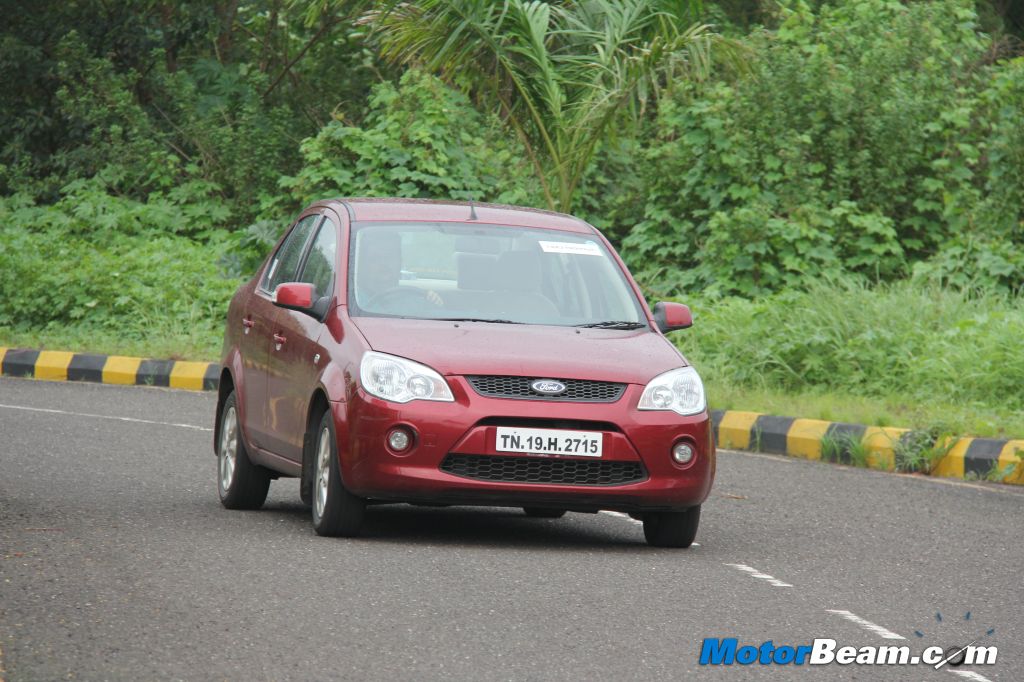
294,296
672,316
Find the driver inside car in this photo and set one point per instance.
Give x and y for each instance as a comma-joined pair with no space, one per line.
379,272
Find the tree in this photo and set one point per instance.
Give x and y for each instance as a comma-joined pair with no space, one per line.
559,74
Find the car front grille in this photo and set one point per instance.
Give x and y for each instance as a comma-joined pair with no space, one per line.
543,470
576,390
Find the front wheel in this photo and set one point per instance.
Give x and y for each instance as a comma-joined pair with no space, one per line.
672,529
336,511
240,483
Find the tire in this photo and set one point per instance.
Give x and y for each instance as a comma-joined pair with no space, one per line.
336,511
541,513
672,529
240,483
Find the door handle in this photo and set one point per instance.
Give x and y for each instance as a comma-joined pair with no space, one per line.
278,339
248,322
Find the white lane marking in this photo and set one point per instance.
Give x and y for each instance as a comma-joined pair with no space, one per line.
866,624
970,675
754,573
888,634
104,416
623,515
762,455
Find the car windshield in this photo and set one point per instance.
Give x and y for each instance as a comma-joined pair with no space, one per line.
491,273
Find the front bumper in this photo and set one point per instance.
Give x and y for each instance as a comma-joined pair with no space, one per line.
467,427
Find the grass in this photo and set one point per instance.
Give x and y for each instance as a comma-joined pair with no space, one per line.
165,342
920,451
998,473
119,292
845,446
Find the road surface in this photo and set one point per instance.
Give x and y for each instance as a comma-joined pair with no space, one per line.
118,562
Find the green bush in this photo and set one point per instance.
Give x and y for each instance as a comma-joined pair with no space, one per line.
611,193
419,139
88,208
119,278
868,136
206,140
985,208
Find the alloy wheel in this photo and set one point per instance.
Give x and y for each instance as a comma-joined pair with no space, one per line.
323,471
228,448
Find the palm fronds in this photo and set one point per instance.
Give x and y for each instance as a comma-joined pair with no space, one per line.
558,73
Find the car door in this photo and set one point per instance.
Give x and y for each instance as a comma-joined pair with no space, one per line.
258,322
296,355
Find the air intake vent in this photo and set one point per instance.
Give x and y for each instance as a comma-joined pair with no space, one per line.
543,470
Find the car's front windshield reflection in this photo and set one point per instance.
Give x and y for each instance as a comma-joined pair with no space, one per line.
487,272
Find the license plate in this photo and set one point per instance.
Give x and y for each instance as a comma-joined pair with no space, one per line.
549,442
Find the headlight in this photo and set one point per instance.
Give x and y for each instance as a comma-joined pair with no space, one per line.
400,380
679,390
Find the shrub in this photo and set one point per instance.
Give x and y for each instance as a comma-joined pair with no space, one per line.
986,207
419,139
861,142
133,282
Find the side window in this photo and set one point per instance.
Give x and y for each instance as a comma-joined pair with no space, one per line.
321,263
285,262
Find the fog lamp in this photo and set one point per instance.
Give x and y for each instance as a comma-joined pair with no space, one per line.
682,453
399,440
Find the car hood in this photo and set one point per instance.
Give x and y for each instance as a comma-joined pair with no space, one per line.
634,356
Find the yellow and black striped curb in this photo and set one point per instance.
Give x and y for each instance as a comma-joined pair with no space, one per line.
56,365
879,447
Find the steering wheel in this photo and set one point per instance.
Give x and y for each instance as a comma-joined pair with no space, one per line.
396,296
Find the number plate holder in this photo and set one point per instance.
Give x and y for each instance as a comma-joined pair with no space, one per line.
549,442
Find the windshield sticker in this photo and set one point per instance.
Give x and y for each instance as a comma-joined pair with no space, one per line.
587,249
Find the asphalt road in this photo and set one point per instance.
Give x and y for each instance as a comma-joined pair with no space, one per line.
118,562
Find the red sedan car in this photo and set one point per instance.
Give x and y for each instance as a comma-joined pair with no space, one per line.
445,353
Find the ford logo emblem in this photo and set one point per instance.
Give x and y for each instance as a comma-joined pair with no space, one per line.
548,387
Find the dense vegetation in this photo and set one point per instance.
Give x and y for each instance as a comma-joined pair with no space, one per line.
873,138
837,186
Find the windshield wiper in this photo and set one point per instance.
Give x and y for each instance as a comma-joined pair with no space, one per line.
474,319
613,324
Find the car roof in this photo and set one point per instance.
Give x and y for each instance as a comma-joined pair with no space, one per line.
433,210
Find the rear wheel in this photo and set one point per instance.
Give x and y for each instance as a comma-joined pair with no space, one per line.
542,513
336,511
240,483
672,529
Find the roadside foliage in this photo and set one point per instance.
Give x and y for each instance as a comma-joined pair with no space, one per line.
872,138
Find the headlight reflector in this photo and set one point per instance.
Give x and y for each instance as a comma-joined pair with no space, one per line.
400,381
679,390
